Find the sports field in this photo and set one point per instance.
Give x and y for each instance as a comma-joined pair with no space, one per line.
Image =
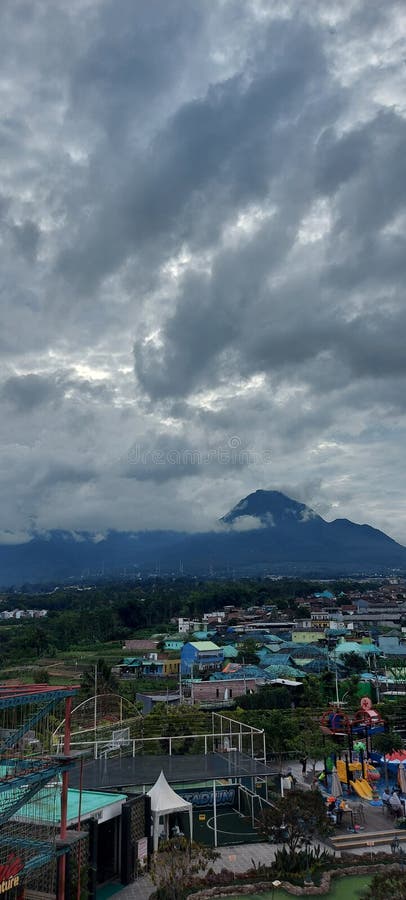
232,827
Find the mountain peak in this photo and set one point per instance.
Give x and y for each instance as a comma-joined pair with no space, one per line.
270,508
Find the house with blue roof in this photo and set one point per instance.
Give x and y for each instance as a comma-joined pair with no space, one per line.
200,656
392,645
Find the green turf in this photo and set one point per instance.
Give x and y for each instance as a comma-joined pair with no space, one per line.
350,888
231,827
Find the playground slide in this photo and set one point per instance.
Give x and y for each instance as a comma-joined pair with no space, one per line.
362,788
342,771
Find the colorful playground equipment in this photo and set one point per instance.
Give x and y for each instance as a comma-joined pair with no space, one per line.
357,772
363,789
366,721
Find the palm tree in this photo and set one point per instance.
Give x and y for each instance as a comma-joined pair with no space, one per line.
98,679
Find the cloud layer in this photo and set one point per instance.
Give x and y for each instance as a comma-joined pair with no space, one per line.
202,232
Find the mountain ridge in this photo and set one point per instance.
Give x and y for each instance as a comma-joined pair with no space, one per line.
266,532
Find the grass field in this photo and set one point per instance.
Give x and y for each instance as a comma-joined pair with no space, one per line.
351,888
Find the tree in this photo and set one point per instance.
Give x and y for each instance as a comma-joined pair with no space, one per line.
386,885
98,679
385,743
267,697
40,676
279,729
354,663
247,654
297,817
396,670
176,864
311,743
174,721
312,695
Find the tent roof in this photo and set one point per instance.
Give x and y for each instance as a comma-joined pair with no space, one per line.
164,800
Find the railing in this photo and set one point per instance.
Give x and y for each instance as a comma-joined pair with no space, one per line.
221,741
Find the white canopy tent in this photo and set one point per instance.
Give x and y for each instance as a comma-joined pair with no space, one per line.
163,802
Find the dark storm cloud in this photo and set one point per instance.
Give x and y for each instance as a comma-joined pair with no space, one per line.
27,238
215,153
58,474
203,240
26,392
300,318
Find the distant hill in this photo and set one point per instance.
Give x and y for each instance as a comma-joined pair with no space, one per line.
266,532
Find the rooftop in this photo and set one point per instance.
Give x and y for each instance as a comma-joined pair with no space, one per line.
144,770
204,645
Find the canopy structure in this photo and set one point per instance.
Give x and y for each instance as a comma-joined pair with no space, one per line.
164,801
336,789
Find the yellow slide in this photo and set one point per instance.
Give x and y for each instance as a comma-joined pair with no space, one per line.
342,771
362,788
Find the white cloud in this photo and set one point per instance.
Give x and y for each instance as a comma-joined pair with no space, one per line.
221,187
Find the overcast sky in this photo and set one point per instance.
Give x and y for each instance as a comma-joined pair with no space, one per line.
203,255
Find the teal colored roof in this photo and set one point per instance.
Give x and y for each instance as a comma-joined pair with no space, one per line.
201,635
354,647
46,805
281,671
230,651
204,645
316,665
242,672
281,659
311,649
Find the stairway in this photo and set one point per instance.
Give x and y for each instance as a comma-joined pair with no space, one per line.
370,839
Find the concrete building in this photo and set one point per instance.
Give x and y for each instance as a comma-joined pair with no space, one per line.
201,656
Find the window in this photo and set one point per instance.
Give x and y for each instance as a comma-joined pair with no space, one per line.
230,693
217,692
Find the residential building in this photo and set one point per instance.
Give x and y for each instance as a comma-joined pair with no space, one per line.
219,690
200,656
306,635
174,644
185,626
154,665
140,645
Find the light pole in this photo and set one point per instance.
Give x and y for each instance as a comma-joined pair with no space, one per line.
308,878
307,828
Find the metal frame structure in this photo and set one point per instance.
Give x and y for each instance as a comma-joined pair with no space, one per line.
23,774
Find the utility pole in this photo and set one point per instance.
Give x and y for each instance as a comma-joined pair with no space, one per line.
95,702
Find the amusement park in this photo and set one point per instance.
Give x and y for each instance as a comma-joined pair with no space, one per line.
89,796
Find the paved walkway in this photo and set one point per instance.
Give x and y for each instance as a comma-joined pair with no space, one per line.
238,858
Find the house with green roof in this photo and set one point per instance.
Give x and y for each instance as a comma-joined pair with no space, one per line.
344,647
230,652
